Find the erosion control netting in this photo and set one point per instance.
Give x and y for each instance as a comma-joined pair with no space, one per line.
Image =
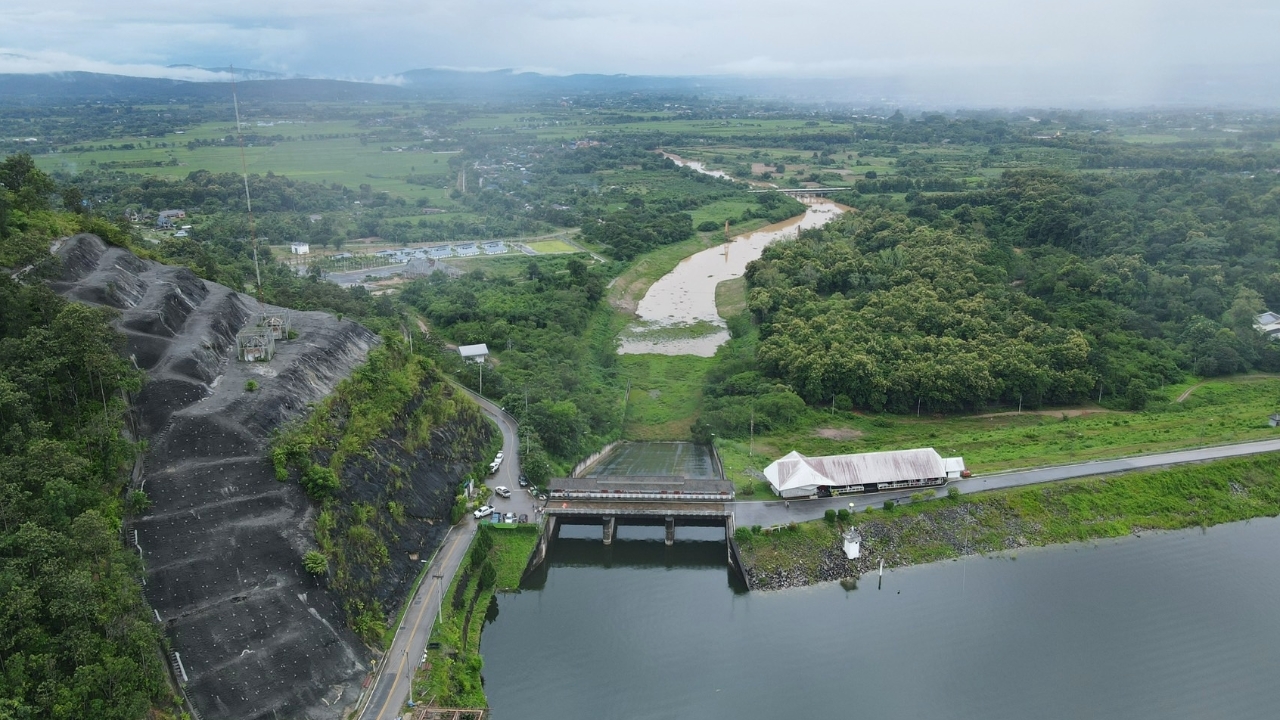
223,541
430,478
652,459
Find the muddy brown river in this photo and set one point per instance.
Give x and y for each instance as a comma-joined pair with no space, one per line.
678,316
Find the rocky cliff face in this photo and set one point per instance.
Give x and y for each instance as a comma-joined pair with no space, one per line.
256,637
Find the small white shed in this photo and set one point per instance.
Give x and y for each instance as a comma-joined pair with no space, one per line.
474,353
852,544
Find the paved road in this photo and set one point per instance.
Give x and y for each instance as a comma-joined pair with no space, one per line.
393,682
778,513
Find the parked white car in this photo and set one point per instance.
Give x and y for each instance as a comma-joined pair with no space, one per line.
483,511
502,491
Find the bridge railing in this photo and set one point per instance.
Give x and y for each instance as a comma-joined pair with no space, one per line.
648,512
642,496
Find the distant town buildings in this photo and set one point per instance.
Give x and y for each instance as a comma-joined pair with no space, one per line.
166,217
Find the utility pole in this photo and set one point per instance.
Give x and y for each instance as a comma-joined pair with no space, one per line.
244,172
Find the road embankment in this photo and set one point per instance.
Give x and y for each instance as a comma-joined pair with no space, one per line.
1200,495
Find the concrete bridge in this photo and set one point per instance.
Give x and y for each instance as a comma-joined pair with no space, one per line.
659,501
805,192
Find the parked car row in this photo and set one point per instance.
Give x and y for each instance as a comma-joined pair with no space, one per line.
487,510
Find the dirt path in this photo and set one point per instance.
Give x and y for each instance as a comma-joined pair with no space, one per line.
1246,378
1069,412
1188,392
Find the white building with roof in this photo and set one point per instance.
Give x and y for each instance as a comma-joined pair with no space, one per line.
474,353
795,475
1268,323
299,248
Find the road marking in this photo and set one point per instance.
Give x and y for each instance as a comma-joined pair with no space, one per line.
412,633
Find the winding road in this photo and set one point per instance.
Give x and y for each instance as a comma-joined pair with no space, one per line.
394,678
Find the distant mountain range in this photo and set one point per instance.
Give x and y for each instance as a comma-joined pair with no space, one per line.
414,84
1244,86
44,88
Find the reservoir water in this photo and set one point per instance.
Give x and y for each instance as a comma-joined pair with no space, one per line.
1166,626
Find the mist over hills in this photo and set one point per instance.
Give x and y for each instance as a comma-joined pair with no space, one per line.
1244,86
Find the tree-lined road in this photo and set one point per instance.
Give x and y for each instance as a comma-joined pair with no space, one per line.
779,513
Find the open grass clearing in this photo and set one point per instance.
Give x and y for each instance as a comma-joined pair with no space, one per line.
731,297
665,393
1220,411
337,156
550,247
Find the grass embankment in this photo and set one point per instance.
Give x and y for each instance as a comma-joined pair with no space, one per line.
665,393
1219,411
451,677
931,530
731,297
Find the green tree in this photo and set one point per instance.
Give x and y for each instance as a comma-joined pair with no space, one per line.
1136,395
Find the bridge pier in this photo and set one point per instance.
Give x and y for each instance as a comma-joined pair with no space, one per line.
671,530
610,526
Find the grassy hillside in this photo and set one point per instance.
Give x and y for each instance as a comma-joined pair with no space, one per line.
384,455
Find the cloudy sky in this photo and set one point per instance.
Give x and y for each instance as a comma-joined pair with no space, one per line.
992,46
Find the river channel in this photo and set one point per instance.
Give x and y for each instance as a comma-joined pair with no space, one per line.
678,315
1166,626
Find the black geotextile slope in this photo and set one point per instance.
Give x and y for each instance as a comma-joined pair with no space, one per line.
223,540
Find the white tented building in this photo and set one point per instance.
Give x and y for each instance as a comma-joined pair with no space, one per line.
299,248
797,476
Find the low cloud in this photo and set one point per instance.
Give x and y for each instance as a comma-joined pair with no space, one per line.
24,62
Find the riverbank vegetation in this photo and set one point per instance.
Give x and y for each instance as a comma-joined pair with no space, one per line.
494,565
928,530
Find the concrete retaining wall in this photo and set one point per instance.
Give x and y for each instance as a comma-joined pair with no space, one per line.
581,468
